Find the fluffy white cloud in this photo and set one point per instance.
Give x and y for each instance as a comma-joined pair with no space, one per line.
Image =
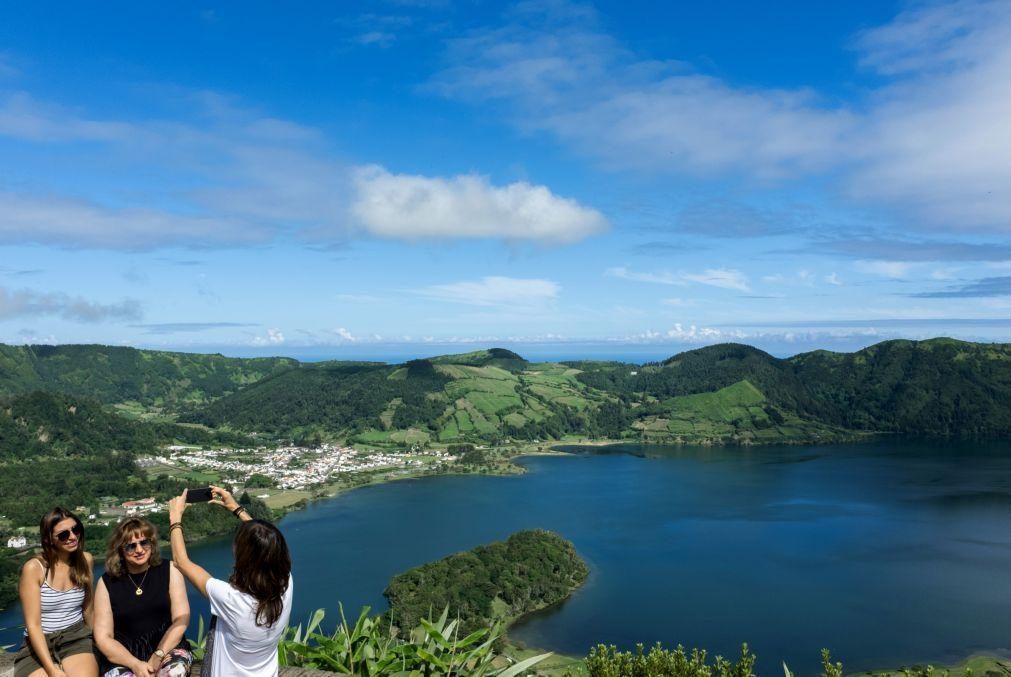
261,177
724,278
417,207
494,291
30,303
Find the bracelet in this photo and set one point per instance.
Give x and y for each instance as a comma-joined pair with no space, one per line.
238,510
175,525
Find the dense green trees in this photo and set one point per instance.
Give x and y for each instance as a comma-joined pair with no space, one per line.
940,387
503,580
112,374
341,396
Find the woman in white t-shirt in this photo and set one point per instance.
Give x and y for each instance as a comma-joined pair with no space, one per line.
254,604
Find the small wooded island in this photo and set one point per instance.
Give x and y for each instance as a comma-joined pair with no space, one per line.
500,581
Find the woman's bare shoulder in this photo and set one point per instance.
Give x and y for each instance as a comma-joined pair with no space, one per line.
34,568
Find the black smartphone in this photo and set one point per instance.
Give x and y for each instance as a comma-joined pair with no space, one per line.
201,495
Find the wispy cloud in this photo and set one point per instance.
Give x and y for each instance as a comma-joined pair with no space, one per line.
163,328
494,291
893,249
560,73
986,287
724,278
930,142
733,219
67,223
892,269
30,303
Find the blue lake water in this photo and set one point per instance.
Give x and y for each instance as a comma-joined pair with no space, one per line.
886,553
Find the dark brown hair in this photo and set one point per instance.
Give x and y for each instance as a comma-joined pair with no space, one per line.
80,572
262,568
119,538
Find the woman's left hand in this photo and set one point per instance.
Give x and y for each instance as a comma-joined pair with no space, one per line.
176,507
154,663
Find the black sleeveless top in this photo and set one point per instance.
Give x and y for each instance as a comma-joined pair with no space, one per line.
140,621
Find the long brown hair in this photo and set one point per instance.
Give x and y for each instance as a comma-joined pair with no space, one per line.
123,533
262,568
80,572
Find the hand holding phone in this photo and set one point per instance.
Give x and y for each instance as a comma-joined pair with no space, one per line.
201,495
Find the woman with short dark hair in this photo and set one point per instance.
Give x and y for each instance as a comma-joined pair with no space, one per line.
141,610
253,606
55,591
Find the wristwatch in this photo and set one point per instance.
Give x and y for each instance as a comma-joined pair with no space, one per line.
159,653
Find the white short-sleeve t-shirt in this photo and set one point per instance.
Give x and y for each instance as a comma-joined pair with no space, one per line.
241,647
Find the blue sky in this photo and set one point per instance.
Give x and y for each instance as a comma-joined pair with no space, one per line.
411,177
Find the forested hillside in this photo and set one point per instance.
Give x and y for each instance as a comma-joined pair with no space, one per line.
56,445
116,375
726,393
933,388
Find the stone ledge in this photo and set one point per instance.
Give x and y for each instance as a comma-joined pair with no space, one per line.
7,669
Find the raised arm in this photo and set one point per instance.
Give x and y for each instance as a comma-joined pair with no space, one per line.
193,572
105,638
30,592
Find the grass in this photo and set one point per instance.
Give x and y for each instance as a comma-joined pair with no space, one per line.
980,666
282,498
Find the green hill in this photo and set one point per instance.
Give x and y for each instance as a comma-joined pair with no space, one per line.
445,399
119,375
727,393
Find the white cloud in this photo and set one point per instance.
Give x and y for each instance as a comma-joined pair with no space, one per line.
274,337
494,291
259,178
345,335
358,298
30,303
417,207
931,142
63,222
894,269
575,81
724,278
834,279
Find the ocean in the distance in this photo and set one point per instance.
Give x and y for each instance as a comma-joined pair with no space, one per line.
886,553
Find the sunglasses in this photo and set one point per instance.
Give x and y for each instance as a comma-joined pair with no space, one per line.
64,535
130,547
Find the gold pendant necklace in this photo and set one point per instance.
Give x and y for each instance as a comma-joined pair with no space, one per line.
140,588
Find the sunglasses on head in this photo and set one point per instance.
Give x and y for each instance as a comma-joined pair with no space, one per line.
130,547
64,535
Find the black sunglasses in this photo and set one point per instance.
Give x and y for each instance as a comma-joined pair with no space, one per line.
64,535
130,547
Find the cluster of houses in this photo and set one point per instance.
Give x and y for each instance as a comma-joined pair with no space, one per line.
289,467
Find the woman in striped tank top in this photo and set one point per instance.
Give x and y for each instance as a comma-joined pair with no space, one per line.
56,598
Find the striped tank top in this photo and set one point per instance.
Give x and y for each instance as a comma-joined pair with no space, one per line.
60,608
